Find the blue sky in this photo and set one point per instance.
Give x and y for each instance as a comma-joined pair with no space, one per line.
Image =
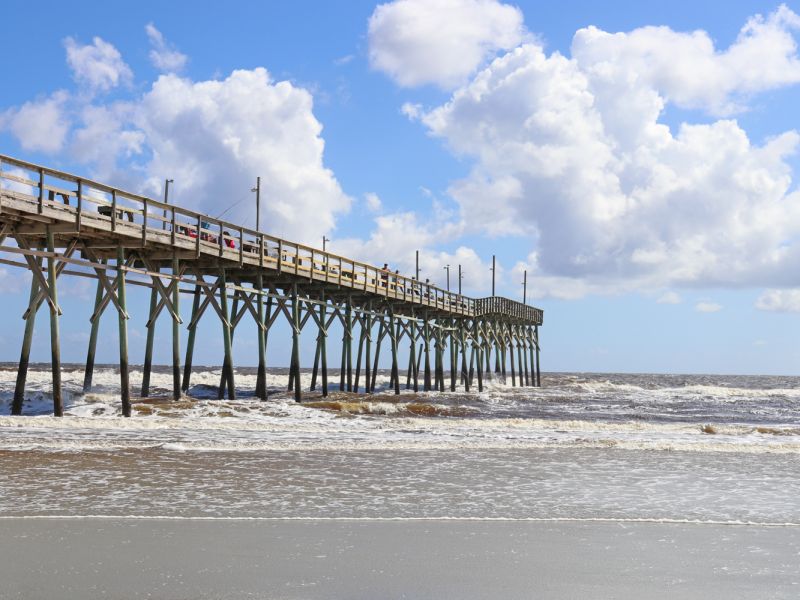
656,239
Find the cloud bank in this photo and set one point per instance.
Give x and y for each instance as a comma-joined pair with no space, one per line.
571,153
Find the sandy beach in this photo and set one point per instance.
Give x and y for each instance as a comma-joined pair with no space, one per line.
180,559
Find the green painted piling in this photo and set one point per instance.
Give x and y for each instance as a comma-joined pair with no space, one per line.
176,334
124,372
55,342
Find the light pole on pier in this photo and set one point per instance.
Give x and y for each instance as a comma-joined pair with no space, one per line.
447,268
325,241
257,190
417,265
525,287
493,269
460,277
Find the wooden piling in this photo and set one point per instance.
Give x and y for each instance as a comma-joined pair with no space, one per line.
148,349
368,350
315,368
223,378
426,340
124,372
523,350
381,334
298,393
348,311
227,364
88,372
464,370
511,361
55,342
25,353
187,367
359,354
176,332
453,362
538,369
393,338
322,347
476,340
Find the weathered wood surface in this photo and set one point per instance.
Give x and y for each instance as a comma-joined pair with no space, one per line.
104,214
121,239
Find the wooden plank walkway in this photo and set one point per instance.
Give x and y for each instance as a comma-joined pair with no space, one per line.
86,228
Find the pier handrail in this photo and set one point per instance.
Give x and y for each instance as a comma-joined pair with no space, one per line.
232,240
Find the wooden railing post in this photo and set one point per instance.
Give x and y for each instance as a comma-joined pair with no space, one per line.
41,190
113,210
80,206
144,222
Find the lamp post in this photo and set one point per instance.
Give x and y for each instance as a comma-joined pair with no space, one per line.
417,265
525,287
447,268
460,277
493,269
325,240
257,190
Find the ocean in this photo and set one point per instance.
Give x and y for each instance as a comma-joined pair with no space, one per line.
584,447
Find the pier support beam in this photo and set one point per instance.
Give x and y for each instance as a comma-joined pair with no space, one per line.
25,353
359,354
90,354
176,334
476,341
393,337
523,354
124,373
223,379
187,367
261,375
381,334
55,341
426,340
368,350
148,349
453,356
298,393
538,368
227,364
464,372
323,337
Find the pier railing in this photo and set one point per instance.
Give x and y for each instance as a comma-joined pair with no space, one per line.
91,203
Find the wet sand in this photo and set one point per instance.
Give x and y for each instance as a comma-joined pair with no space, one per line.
196,559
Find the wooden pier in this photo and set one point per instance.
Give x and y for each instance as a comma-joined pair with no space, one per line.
60,224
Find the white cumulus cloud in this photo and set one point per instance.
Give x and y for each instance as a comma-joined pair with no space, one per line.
669,298
707,307
214,137
570,153
39,124
787,300
98,65
373,202
163,56
440,42
686,68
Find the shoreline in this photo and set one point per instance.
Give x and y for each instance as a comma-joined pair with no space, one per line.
317,519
